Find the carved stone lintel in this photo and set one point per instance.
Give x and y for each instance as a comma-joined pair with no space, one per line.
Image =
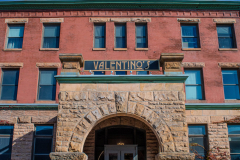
224,20
11,65
71,62
175,156
68,156
119,20
228,65
48,65
17,20
171,62
189,20
51,20
193,64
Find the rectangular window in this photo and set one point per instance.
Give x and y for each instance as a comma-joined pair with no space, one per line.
234,141
198,140
230,84
43,142
121,73
142,72
51,35
9,84
6,135
141,36
15,36
47,84
226,36
193,84
99,35
190,37
120,36
99,73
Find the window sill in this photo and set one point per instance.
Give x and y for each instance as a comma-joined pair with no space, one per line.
47,101
191,49
141,49
8,101
196,101
227,49
99,49
120,49
232,101
12,49
49,49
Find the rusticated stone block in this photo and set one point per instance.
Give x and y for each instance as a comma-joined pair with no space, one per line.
165,95
175,156
74,147
141,96
121,99
68,156
24,119
80,96
101,96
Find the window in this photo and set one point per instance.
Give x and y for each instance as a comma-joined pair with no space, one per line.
198,140
142,72
225,36
234,141
15,36
230,84
190,38
6,135
43,141
120,36
120,73
47,84
99,73
193,84
51,36
141,35
99,35
9,84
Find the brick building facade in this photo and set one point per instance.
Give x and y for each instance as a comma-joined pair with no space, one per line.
163,79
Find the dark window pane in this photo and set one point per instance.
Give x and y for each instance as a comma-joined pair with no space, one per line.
43,145
231,92
193,92
120,30
230,77
190,43
51,30
201,141
225,42
224,31
5,156
10,76
15,42
42,157
141,30
44,130
189,31
50,42
120,42
99,43
234,144
6,129
99,73
141,43
99,30
196,130
9,93
47,77
234,129
47,92
194,76
142,72
5,145
121,73
235,156
16,30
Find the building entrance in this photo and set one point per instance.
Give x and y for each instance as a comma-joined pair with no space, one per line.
120,152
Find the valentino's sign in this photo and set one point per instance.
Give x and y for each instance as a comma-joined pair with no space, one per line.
122,65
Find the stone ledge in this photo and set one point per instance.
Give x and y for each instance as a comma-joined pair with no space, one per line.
51,20
193,64
68,156
119,20
17,20
175,156
228,65
223,20
11,65
48,65
188,20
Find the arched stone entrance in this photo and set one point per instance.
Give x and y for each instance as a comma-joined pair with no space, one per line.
151,146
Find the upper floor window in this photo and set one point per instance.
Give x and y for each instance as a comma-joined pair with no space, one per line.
226,36
99,73
142,72
234,141
6,136
141,36
230,84
99,35
121,73
190,36
197,135
193,84
120,36
15,36
47,84
9,84
51,36
43,142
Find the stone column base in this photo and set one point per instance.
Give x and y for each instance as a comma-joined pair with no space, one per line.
175,156
68,156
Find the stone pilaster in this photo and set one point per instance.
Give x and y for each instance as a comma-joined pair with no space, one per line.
171,62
